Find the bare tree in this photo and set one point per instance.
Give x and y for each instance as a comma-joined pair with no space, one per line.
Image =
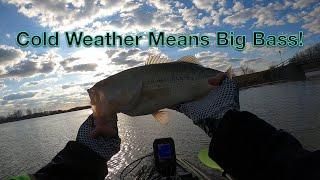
272,67
245,69
28,111
310,54
16,114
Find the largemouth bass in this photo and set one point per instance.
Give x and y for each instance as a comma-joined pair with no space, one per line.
149,89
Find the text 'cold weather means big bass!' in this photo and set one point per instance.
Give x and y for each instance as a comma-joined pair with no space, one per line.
159,39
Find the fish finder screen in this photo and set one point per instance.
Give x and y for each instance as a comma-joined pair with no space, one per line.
164,151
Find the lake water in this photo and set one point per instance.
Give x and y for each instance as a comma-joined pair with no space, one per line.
26,146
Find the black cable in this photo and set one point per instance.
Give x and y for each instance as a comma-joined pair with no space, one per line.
121,174
150,173
134,167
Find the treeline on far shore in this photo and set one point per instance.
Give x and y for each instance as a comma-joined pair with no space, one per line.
293,70
28,114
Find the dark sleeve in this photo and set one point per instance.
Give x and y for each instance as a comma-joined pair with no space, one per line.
247,147
75,161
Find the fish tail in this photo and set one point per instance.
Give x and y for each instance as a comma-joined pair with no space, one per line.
229,72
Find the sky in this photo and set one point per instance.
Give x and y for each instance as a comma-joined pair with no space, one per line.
44,78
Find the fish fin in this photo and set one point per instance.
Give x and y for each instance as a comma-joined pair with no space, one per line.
161,116
156,60
134,98
229,72
189,59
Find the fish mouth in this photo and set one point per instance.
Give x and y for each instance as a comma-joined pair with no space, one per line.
92,96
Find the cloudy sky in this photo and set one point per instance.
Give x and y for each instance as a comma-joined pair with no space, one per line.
57,78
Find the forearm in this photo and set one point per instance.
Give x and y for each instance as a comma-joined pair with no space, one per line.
247,147
75,161
85,158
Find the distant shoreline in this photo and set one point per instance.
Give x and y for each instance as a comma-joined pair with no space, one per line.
264,84
42,114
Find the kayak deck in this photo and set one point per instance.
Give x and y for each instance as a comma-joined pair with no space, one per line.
145,169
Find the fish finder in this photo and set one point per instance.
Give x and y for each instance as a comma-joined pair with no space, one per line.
165,156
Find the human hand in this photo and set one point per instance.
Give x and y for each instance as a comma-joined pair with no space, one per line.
100,136
208,111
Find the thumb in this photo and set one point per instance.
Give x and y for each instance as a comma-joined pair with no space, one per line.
215,81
